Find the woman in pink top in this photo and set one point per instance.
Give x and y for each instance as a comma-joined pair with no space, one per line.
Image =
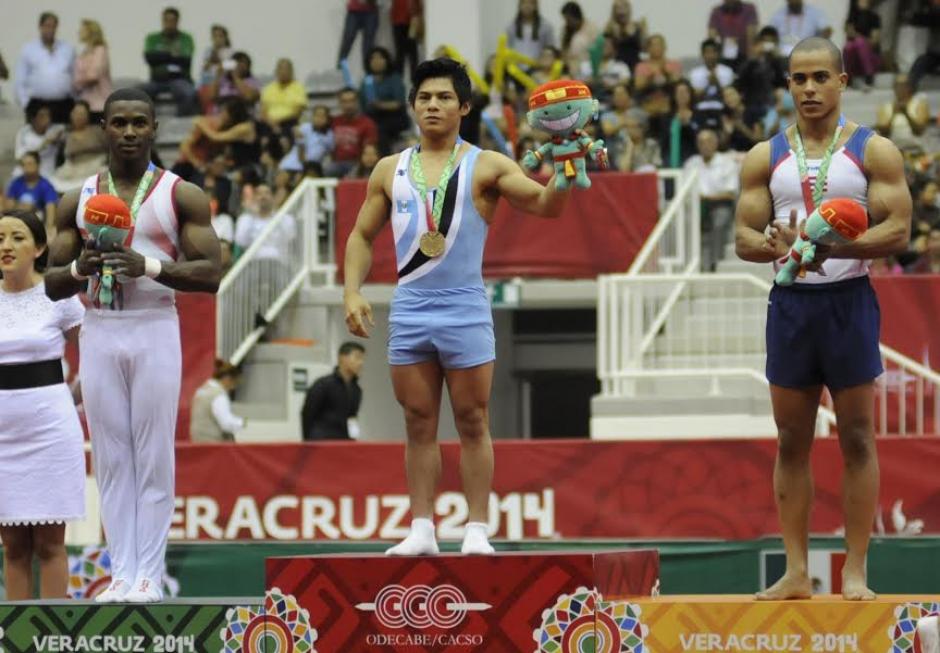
92,76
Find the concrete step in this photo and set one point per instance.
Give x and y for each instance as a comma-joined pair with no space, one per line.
685,361
751,342
731,325
694,388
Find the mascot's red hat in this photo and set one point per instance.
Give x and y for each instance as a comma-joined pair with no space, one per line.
107,211
558,91
847,217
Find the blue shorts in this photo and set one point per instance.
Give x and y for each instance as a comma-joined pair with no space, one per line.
453,326
823,334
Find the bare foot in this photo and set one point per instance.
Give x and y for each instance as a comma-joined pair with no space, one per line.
791,586
854,587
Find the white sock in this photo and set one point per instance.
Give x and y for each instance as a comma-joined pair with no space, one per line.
475,540
421,541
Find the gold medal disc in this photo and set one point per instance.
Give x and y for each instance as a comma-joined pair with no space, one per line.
432,243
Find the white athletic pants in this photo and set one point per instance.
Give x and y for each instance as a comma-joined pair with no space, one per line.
130,373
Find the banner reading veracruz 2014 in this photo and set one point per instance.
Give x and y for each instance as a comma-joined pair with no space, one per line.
566,489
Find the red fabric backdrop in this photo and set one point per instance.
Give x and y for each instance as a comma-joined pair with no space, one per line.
601,230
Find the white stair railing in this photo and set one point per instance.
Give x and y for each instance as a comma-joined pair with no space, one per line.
257,288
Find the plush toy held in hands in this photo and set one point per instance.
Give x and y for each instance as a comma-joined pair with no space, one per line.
563,108
835,222
108,221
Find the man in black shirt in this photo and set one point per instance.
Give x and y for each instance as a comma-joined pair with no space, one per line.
762,76
332,402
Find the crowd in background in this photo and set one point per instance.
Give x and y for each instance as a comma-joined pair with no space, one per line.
254,137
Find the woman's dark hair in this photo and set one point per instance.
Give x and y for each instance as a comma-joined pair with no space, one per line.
37,229
441,67
672,93
33,108
224,31
536,24
243,57
237,110
382,52
570,10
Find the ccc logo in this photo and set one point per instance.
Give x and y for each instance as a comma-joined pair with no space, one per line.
421,606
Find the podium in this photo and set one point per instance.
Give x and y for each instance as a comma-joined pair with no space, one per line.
505,603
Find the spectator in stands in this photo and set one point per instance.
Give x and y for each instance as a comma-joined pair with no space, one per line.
382,94
407,18
609,73
255,219
283,99
929,261
32,192
641,152
862,32
169,53
92,74
44,71
361,16
41,136
547,62
733,24
928,15
708,80
798,21
284,184
217,181
906,118
234,80
367,160
530,33
232,131
613,122
351,131
577,37
718,189
313,141
926,215
86,150
763,76
219,50
738,134
653,80
678,138
779,116
211,418
628,34
332,401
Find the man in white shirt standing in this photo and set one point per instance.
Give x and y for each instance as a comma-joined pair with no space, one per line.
718,186
44,71
211,418
798,21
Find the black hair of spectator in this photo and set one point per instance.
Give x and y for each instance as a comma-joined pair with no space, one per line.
32,154
709,43
243,57
237,110
33,107
385,54
536,24
349,347
223,369
173,11
224,30
36,228
129,94
819,44
570,10
83,103
313,166
46,15
347,89
769,31
438,68
249,175
683,81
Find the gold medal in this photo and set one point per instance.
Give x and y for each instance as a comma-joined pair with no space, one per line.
432,243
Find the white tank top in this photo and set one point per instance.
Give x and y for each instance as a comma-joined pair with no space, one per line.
846,178
156,234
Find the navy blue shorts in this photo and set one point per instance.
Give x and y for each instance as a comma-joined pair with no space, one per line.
823,334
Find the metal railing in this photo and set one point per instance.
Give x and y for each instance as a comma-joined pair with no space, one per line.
265,277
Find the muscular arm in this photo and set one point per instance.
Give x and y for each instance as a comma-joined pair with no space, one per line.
369,222
523,193
64,249
755,208
889,205
202,269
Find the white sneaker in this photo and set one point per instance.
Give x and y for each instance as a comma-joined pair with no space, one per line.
145,591
475,541
421,541
115,593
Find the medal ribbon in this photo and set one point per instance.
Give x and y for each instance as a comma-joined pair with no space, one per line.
141,193
812,197
417,173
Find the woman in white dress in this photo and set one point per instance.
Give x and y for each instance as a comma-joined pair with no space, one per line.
42,464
